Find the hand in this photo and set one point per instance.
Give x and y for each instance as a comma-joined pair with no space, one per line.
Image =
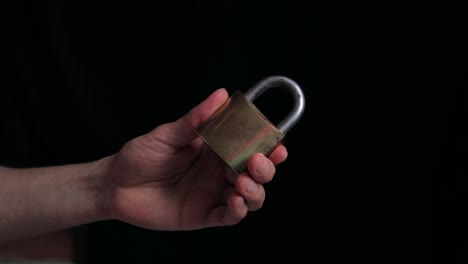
169,179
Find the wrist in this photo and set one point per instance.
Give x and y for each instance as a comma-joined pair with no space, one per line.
100,186
41,200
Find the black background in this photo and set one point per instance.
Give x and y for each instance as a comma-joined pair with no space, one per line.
372,165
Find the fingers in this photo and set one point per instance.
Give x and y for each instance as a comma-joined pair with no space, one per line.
249,193
230,213
253,193
261,168
181,132
249,185
279,155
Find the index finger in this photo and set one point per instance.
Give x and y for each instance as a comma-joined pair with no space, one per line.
279,155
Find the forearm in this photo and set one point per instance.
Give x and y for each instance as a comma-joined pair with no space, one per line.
40,200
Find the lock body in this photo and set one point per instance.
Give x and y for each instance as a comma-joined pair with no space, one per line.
237,130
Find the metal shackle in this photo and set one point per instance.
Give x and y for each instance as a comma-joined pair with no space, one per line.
285,83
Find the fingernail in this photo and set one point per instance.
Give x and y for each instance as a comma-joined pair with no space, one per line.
251,187
263,167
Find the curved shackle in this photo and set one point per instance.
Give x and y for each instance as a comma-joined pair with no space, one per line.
285,83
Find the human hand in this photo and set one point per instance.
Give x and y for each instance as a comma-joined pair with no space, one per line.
168,179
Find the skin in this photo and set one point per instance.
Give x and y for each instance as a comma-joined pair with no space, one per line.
167,179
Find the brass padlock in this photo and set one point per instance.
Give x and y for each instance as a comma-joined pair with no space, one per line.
237,130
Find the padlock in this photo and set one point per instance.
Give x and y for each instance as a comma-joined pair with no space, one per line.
237,129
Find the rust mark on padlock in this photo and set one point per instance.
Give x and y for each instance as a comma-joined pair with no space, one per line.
237,130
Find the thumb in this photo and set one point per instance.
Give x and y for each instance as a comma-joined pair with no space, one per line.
181,132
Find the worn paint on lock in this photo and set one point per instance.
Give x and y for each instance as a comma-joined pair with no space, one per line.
237,130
